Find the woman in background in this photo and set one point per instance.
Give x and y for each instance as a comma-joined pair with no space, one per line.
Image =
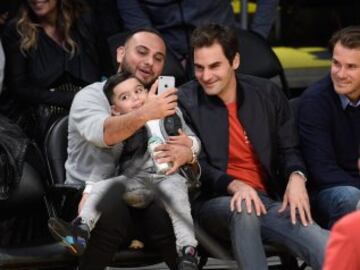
51,52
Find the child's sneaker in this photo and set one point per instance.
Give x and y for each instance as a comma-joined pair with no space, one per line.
73,236
187,260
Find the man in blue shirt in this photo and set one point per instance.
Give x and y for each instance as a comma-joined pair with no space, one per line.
329,125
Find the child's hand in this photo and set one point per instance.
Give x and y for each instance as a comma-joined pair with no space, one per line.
181,139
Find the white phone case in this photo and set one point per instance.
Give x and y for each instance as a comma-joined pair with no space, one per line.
165,82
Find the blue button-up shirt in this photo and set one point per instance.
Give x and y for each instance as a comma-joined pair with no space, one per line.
345,101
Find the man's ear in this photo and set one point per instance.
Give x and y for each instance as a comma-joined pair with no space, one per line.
114,111
236,61
120,54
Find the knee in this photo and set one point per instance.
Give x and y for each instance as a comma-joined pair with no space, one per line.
341,197
354,195
245,223
139,198
333,203
348,198
245,218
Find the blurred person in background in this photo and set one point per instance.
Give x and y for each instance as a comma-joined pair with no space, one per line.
8,9
264,17
175,20
51,52
342,251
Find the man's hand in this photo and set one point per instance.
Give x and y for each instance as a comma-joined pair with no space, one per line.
242,191
176,154
160,106
181,139
82,202
297,198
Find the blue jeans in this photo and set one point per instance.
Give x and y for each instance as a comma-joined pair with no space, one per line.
333,203
248,231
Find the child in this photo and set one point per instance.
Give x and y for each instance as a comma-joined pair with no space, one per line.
125,94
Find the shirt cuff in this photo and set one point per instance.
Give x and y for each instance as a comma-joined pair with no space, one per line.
88,187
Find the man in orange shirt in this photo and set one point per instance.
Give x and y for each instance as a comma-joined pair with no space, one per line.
249,157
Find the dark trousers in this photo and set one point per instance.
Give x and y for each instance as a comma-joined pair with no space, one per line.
116,229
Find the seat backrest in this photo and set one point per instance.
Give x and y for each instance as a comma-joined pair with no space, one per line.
29,192
257,58
172,66
56,142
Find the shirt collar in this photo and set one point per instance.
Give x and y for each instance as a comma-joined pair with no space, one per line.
346,102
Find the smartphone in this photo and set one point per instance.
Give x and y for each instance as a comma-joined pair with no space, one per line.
165,82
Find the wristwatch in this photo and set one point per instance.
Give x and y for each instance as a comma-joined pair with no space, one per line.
195,148
301,174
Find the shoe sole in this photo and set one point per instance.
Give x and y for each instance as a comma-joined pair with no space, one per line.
61,239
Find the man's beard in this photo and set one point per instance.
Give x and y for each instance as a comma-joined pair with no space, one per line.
124,66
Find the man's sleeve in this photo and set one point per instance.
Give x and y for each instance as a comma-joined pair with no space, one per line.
212,178
88,115
188,131
289,153
317,143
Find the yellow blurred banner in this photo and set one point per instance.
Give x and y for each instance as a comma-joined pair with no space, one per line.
304,57
251,7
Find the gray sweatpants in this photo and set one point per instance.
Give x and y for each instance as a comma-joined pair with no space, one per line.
139,192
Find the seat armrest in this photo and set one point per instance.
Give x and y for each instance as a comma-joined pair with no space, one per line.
66,189
65,199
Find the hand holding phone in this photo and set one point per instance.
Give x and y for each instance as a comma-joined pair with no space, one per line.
165,82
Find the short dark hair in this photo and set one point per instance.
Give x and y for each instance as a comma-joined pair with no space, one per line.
348,37
206,35
113,81
143,29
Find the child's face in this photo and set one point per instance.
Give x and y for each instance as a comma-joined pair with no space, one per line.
128,96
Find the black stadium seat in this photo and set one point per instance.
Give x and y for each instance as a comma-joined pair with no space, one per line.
30,197
258,59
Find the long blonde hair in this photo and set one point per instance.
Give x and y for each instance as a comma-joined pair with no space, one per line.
27,25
